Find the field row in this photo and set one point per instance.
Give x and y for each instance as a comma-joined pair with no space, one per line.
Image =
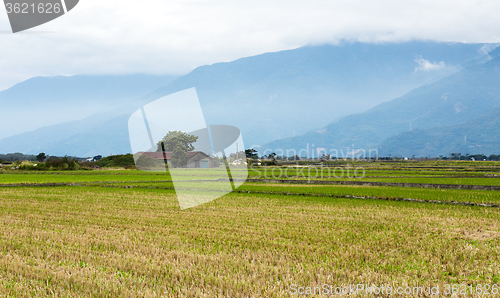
284,173
161,180
382,192
101,241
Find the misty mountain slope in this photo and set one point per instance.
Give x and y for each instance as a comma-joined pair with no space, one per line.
275,95
272,95
478,136
453,100
43,101
103,134
108,139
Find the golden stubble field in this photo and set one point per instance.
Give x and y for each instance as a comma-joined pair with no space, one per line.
109,242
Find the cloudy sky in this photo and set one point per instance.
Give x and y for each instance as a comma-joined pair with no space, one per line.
175,36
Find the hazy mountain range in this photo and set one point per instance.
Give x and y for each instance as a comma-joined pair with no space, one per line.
43,101
270,96
416,123
277,95
479,135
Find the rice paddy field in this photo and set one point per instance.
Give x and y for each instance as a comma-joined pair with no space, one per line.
121,233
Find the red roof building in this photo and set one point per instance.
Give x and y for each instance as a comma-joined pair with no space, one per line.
195,159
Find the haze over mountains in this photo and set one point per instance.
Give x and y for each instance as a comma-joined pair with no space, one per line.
431,120
43,101
477,136
276,95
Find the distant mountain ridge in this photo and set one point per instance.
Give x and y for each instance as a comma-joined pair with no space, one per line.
477,136
43,101
83,138
269,96
457,99
292,92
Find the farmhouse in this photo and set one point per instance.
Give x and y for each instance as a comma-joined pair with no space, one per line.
195,159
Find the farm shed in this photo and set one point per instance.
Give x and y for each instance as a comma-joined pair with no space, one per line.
195,159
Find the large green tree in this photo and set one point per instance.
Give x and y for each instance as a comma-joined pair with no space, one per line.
251,153
41,157
179,143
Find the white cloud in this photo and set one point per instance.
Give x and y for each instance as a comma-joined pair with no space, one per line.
426,65
487,48
175,36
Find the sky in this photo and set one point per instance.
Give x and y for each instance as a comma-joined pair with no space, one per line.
176,36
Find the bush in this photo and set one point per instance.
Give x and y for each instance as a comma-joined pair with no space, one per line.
87,165
271,162
32,167
125,160
63,164
53,164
